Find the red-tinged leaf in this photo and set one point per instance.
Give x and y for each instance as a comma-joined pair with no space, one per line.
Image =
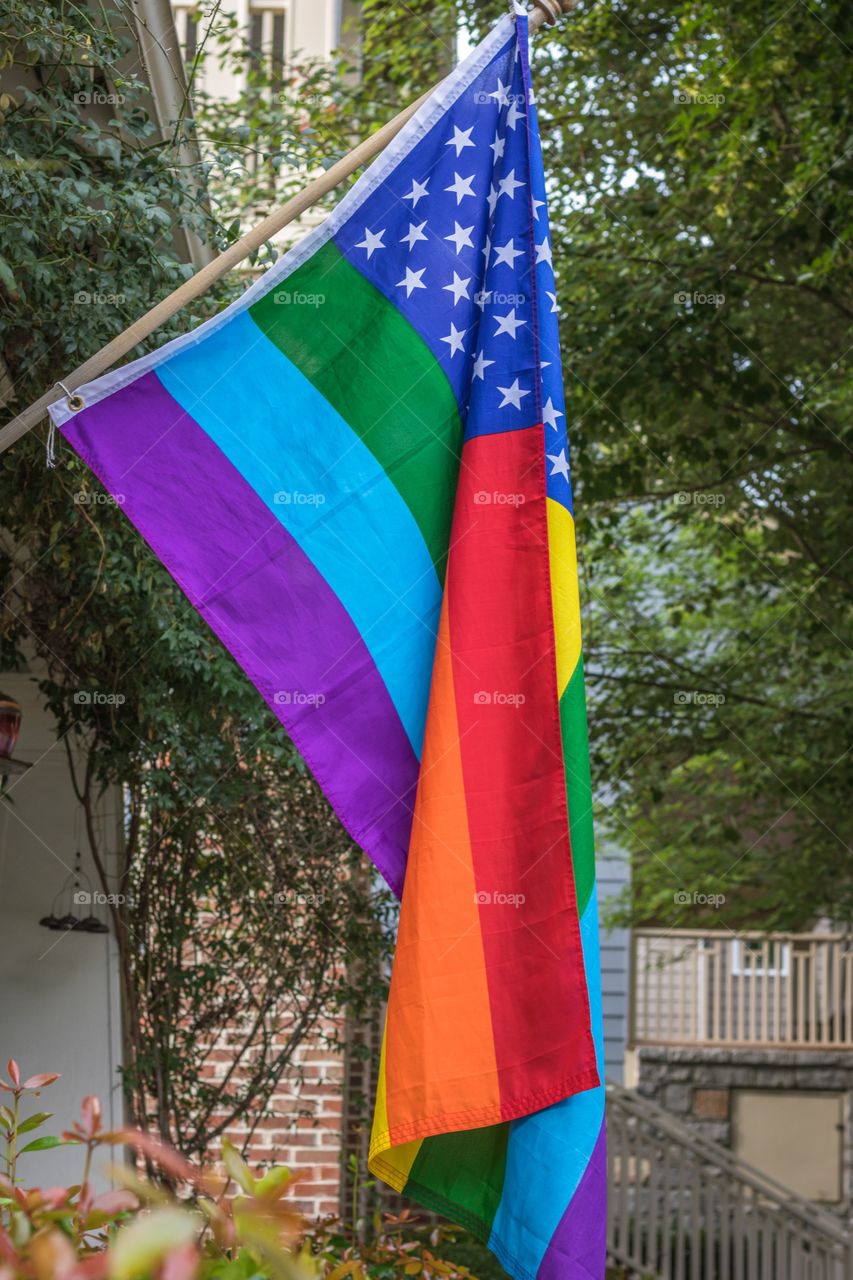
14,1073
10,1088
169,1160
40,1081
92,1268
54,1197
90,1111
114,1202
7,1248
181,1264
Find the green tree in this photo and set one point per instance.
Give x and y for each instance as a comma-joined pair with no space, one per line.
699,162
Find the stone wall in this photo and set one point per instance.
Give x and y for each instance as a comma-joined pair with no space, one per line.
695,1085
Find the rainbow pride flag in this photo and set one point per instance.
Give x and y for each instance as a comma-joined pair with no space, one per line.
358,474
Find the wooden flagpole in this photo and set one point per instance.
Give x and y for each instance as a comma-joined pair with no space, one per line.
545,11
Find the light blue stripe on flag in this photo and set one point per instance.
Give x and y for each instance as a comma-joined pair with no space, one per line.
327,489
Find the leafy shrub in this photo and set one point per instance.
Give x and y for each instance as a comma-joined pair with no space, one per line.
191,1224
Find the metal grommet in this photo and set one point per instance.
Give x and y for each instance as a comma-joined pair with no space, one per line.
73,401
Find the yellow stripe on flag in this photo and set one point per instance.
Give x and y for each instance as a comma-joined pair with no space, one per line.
564,590
396,1161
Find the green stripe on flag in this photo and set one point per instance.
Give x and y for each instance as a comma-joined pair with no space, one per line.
371,365
462,1175
578,786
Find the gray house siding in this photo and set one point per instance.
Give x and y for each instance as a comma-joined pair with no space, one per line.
613,876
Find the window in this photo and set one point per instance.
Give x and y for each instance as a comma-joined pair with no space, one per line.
268,40
749,959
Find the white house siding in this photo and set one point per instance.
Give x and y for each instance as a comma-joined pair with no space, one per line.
59,1005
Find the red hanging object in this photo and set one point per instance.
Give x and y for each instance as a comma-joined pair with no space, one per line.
10,725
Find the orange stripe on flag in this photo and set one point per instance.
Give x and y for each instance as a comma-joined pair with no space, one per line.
440,1056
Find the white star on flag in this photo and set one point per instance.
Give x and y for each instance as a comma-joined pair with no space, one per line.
543,252
550,414
461,187
515,114
498,146
561,464
500,94
509,185
461,139
482,298
372,241
455,339
461,237
537,205
492,200
411,281
413,235
553,297
512,395
508,324
506,253
487,249
459,287
481,364
418,191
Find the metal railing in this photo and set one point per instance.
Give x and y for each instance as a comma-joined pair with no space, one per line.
710,987
683,1208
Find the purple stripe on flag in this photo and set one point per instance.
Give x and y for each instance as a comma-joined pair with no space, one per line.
265,601
578,1246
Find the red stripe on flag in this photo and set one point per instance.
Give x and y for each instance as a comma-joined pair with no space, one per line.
504,669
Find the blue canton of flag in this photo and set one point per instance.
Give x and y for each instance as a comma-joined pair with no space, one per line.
462,247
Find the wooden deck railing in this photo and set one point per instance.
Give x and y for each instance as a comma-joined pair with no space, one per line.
711,987
683,1208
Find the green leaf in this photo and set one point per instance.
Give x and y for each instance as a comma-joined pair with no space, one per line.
33,1122
7,277
47,1142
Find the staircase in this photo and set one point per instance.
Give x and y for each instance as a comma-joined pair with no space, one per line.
683,1208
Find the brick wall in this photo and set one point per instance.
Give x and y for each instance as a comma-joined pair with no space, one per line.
304,1129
